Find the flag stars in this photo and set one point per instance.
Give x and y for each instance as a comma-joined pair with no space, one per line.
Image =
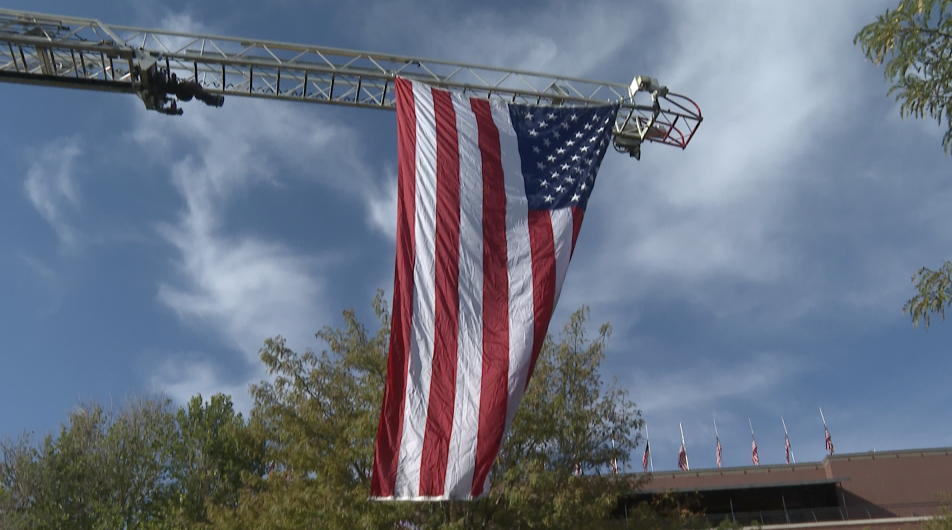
540,165
565,167
549,198
536,150
555,175
579,135
574,117
576,197
560,151
551,158
533,132
560,188
575,158
570,143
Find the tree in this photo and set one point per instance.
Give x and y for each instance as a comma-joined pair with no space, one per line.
915,43
140,466
935,294
212,451
105,469
319,416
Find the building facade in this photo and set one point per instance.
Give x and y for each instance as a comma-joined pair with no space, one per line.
877,490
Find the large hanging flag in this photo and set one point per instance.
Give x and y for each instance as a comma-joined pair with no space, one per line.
490,200
787,444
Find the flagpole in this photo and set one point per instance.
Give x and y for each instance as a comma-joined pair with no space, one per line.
793,456
751,430
647,443
821,417
715,430
687,463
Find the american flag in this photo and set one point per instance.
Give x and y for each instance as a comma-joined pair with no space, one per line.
614,466
829,440
718,452
754,457
787,444
683,459
490,200
646,457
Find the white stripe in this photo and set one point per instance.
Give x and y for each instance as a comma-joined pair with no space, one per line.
424,299
461,454
519,254
562,229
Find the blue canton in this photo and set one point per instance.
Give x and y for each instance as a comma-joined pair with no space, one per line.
561,149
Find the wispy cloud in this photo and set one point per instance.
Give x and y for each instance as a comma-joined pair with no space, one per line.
50,185
242,285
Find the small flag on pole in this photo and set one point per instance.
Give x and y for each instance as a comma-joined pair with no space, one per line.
614,460
718,437
790,455
683,454
829,439
644,459
754,457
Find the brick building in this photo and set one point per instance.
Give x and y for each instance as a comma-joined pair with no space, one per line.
876,490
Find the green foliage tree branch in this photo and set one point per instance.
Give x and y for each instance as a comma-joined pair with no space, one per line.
915,43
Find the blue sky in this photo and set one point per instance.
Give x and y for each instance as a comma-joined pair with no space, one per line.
758,274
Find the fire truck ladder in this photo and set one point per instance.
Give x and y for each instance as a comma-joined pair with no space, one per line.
72,52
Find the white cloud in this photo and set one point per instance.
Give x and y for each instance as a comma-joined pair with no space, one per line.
50,185
701,384
245,287
181,377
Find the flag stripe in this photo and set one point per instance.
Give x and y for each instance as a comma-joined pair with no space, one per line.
419,368
577,215
461,456
563,231
518,264
439,417
391,414
543,279
495,361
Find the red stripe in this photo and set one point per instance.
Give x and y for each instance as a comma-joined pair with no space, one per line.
494,381
542,243
390,431
442,397
577,215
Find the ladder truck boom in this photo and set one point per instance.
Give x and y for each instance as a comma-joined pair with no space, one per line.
73,52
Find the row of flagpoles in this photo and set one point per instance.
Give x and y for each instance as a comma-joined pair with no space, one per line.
646,460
